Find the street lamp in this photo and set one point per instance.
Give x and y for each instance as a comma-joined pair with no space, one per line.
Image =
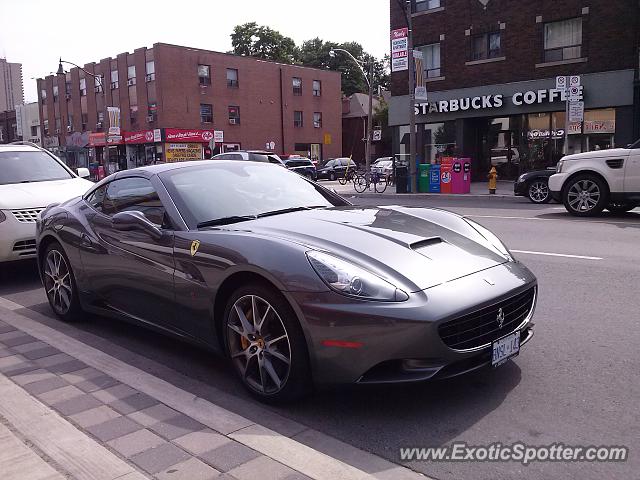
369,80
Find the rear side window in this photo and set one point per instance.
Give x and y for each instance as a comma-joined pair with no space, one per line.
96,197
258,157
134,194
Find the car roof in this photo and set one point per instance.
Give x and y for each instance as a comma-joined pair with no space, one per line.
18,148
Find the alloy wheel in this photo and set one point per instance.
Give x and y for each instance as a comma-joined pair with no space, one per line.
57,282
583,195
539,192
259,344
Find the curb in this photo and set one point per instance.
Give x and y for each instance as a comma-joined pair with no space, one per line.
300,456
426,195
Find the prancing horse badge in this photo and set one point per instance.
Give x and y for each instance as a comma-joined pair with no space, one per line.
194,247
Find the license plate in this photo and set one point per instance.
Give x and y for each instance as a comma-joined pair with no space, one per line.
505,348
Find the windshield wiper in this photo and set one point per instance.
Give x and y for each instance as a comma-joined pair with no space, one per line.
226,220
289,210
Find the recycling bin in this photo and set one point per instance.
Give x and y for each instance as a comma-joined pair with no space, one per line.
446,167
466,174
423,177
434,179
457,176
401,179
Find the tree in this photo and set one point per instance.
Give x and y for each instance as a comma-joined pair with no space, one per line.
253,40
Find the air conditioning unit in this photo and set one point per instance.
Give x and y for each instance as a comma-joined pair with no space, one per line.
69,128
150,77
114,85
99,125
131,81
68,96
234,121
151,118
57,131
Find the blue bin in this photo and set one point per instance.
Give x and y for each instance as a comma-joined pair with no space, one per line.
434,179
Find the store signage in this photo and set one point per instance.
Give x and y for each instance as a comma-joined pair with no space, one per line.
218,136
399,49
600,126
184,135
576,111
143,136
183,152
49,142
421,85
114,120
157,135
97,139
534,134
483,102
115,140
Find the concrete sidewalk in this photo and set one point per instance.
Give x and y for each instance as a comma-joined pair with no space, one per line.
478,189
72,411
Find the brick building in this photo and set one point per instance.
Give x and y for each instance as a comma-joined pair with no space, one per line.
172,99
490,69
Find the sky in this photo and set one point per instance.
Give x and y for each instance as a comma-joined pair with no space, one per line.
37,32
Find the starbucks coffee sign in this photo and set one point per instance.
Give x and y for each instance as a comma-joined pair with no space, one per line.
493,101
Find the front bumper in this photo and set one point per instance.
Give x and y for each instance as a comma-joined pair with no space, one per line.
400,342
520,189
17,239
556,181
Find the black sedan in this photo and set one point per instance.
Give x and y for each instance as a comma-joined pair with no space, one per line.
287,279
336,168
534,185
302,166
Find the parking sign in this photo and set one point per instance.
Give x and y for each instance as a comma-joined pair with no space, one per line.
574,81
561,83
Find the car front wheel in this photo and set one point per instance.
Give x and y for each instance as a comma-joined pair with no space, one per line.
266,345
585,195
538,192
60,284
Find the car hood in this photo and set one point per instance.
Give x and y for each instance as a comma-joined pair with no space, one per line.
420,247
612,152
41,194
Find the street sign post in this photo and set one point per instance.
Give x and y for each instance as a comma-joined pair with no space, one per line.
576,112
561,83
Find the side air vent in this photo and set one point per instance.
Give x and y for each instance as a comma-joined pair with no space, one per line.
426,242
615,163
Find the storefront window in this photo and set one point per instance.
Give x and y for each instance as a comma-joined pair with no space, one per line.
438,140
599,128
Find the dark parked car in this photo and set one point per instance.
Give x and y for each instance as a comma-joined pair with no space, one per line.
335,168
292,283
302,166
534,185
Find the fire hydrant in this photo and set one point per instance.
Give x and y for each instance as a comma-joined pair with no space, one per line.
493,180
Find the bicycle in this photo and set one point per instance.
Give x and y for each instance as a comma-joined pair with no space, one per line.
348,176
360,183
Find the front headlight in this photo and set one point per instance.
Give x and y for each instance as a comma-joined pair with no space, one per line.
520,179
349,279
559,166
3,217
492,239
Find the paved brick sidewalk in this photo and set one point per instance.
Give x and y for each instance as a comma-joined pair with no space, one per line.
157,439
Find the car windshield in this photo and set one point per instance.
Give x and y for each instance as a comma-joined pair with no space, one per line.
241,190
30,166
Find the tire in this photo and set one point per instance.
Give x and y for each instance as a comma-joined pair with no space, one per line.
262,366
620,207
332,176
381,185
60,284
585,195
342,180
538,191
360,183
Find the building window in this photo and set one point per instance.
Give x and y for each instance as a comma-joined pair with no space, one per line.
424,5
150,68
45,127
34,130
232,77
114,79
152,110
563,40
487,45
297,118
69,121
99,81
83,87
206,113
55,94
133,113
234,115
431,55
297,86
131,72
204,74
317,88
43,94
100,120
317,119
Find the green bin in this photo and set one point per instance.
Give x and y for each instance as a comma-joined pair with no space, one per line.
423,177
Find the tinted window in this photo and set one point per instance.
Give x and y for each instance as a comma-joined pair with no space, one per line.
30,166
215,191
134,194
96,198
258,157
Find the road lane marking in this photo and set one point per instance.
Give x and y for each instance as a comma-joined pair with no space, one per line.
565,255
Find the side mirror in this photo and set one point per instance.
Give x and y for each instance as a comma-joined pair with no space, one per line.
84,173
133,220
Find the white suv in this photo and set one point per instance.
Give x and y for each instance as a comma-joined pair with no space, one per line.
589,182
30,179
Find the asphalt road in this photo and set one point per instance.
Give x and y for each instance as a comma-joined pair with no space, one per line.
575,383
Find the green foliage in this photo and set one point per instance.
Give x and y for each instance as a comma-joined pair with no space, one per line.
253,40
